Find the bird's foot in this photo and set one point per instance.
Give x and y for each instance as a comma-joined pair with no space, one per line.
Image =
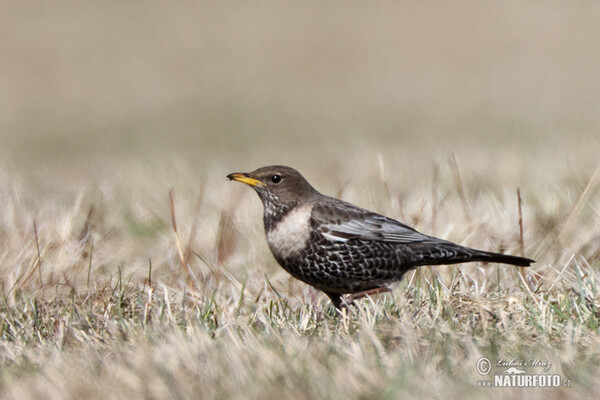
355,296
344,304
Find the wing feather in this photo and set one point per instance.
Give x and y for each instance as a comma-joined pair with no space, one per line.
371,226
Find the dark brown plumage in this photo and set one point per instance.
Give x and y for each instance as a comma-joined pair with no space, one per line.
340,248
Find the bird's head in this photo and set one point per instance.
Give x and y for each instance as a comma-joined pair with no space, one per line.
277,185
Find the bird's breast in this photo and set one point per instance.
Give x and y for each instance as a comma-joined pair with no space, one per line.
290,234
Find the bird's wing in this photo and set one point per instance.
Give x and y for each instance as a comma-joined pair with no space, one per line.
346,221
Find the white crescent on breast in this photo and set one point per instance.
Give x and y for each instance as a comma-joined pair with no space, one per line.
290,235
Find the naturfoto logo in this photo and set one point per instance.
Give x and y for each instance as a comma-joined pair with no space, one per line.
516,372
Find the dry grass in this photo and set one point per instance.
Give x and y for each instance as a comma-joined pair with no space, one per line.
130,268
106,307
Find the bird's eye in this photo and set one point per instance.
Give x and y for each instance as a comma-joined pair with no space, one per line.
276,178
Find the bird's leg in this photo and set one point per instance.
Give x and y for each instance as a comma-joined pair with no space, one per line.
338,302
356,296
336,299
341,305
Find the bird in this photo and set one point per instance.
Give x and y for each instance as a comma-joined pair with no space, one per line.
340,248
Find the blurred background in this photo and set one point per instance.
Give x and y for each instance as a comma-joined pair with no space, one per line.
112,104
267,81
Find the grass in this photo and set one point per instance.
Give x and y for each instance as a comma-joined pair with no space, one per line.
131,268
175,295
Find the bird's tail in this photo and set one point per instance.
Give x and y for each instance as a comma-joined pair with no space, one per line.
486,256
449,253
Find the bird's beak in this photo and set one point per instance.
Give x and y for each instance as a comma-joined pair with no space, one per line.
245,178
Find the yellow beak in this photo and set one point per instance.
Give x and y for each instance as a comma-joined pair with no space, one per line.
244,178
